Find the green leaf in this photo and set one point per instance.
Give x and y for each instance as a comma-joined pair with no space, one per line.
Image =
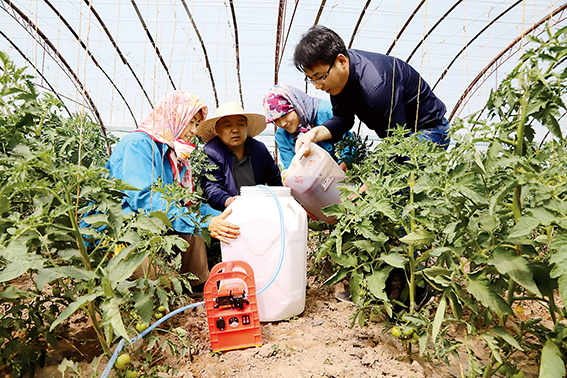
508,262
21,265
552,364
366,246
456,306
163,217
70,310
124,268
439,317
559,261
418,238
478,161
493,346
481,288
144,305
45,276
524,227
441,276
346,260
337,277
115,214
505,335
10,292
79,274
113,317
544,216
356,280
394,260
377,282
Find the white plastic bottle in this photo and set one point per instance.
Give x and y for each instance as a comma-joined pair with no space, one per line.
256,212
313,181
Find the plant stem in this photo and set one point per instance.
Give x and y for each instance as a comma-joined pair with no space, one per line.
96,326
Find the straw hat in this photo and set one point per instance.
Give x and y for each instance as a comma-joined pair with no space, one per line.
256,122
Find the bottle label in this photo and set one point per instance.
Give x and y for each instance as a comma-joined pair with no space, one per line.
328,181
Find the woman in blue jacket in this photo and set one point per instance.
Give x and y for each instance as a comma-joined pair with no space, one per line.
159,149
294,112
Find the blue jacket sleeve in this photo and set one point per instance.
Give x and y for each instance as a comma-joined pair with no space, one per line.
139,161
286,147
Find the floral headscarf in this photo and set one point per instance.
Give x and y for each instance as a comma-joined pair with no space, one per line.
282,99
167,122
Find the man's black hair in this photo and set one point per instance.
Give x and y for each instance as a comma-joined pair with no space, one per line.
319,45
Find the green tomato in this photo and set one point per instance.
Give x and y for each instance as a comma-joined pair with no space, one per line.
158,315
396,331
131,374
519,374
122,360
503,369
141,327
415,338
162,309
407,331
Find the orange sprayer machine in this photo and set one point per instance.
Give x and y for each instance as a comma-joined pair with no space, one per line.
232,309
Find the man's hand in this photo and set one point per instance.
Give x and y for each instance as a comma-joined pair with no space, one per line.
314,135
222,229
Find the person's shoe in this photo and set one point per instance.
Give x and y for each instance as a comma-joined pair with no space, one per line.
197,291
343,296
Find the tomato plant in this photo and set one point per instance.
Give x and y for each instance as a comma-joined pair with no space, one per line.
481,230
62,229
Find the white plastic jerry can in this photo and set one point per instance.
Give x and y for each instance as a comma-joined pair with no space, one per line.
279,265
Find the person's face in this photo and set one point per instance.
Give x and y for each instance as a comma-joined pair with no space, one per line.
288,122
329,78
191,128
232,130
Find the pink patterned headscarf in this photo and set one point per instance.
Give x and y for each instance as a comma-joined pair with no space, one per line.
167,122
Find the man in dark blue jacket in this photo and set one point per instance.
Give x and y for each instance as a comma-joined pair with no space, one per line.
382,91
241,160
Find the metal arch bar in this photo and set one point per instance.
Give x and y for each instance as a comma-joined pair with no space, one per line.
405,26
59,58
473,39
237,50
91,56
279,33
358,23
287,34
319,12
432,29
496,61
156,49
204,51
36,70
122,57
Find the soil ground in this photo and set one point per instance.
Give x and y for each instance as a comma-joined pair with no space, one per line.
320,342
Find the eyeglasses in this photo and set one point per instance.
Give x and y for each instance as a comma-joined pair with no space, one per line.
322,78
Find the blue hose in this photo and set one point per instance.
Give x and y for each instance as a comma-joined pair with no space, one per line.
282,239
144,333
120,345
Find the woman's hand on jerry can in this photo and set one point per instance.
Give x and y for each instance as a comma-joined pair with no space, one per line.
222,229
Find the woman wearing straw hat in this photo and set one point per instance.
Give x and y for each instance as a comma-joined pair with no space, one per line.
241,159
159,149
